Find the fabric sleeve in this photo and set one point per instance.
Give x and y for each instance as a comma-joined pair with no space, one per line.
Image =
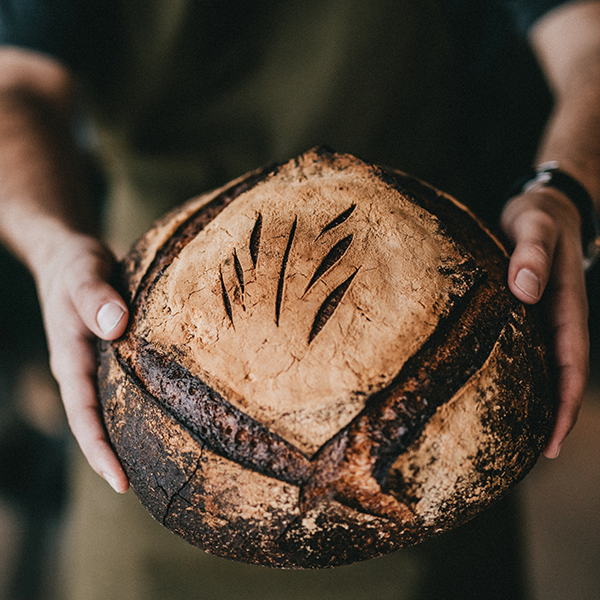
43,25
526,12
81,34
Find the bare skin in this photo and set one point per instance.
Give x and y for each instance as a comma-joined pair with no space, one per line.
43,220
543,224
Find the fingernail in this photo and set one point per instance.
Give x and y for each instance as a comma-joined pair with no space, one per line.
108,317
112,482
528,283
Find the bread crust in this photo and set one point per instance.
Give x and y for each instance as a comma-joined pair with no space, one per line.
323,358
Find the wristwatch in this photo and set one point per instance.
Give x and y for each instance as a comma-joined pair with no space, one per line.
549,174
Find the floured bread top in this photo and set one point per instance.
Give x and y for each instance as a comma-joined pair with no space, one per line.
306,294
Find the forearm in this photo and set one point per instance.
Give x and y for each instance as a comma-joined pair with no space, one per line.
543,222
567,42
42,195
44,220
573,137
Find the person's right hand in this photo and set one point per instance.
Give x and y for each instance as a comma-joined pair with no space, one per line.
79,305
44,204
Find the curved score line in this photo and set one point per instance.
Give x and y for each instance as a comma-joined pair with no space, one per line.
328,307
341,218
332,257
284,262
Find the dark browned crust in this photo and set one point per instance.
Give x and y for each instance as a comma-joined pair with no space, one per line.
396,415
212,420
174,486
351,472
176,489
521,422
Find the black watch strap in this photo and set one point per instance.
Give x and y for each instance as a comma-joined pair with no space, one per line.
549,174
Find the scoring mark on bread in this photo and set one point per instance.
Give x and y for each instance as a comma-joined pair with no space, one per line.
255,239
332,257
341,218
284,263
239,272
226,299
328,307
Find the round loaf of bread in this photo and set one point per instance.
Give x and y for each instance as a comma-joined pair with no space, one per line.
323,364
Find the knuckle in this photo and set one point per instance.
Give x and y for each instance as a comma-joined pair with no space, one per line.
88,293
537,238
538,253
84,292
543,223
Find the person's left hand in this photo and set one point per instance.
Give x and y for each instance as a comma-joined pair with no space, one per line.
544,226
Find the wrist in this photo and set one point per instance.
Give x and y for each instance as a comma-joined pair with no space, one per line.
550,175
41,241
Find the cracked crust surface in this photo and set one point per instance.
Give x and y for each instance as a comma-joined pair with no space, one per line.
322,357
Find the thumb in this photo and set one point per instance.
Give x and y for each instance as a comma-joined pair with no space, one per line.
111,318
535,236
98,304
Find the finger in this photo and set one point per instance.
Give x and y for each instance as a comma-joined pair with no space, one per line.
74,371
569,317
100,307
567,412
535,236
572,378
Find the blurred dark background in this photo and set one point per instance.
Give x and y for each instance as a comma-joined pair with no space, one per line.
33,441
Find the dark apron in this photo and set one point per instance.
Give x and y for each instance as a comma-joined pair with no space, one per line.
202,93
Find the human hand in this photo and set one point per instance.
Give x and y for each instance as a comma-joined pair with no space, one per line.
547,261
78,304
